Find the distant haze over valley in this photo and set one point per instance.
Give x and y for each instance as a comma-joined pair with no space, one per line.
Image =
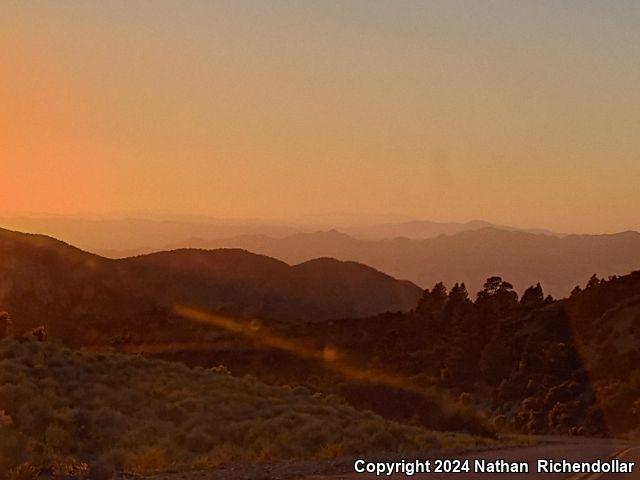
124,236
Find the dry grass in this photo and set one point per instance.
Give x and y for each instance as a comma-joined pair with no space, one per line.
68,411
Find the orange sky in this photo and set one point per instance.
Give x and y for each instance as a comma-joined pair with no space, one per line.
525,113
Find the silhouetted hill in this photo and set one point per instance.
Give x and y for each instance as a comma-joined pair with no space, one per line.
82,296
248,284
559,263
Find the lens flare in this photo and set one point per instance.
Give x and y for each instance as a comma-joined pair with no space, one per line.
330,357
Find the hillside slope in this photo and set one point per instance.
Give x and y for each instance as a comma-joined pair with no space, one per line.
81,295
86,415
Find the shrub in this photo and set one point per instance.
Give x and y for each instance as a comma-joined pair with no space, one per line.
63,407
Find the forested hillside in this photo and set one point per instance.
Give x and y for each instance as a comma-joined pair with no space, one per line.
85,298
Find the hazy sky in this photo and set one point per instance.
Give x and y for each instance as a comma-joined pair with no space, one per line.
520,112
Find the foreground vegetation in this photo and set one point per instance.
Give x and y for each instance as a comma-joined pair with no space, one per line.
67,412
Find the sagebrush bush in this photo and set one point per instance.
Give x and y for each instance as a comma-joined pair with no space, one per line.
142,415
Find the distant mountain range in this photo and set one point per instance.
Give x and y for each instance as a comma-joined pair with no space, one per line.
78,294
422,252
559,263
118,238
422,229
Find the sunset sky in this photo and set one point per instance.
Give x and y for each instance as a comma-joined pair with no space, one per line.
517,112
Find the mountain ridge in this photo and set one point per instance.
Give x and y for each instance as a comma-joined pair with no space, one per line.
422,229
44,280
